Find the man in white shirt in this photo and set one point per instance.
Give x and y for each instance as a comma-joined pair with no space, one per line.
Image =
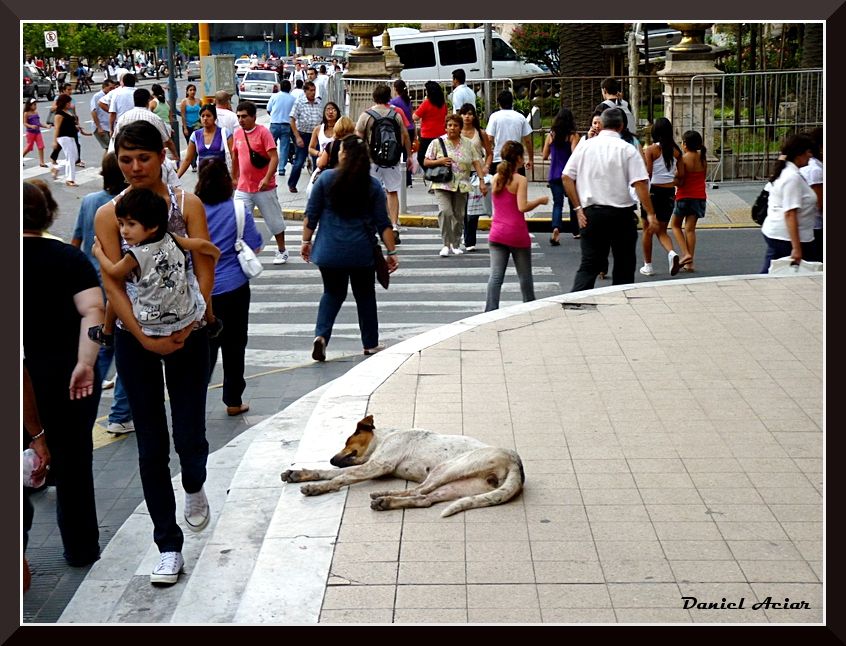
461,94
119,100
597,179
322,83
225,117
100,117
509,125
141,112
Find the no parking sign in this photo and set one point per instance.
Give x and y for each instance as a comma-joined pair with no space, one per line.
51,39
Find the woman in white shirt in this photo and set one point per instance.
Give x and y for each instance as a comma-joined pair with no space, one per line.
813,174
792,205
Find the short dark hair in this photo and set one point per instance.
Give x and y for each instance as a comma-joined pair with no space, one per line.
113,180
141,97
209,107
299,84
36,215
214,183
323,69
610,85
505,100
286,85
382,93
147,208
128,79
459,75
309,84
247,106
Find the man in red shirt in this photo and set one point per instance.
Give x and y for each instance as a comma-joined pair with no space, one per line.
256,185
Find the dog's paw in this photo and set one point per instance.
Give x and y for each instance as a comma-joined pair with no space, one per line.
311,490
379,504
291,475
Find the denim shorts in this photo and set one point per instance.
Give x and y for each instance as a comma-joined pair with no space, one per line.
690,206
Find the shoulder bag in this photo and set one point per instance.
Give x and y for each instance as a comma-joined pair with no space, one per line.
383,276
259,161
250,264
439,174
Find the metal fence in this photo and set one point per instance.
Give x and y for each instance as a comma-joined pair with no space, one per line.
753,113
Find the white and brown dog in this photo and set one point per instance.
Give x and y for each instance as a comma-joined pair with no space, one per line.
448,467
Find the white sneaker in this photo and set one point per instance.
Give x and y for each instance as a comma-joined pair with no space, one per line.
107,384
673,259
456,250
168,569
281,257
647,270
197,513
443,253
120,428
470,249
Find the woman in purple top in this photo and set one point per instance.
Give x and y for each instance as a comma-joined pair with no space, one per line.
560,144
208,142
231,293
33,125
402,101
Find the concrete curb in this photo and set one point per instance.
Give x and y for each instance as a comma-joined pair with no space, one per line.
541,224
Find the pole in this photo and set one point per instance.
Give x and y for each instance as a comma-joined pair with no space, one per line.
488,69
205,50
287,46
171,86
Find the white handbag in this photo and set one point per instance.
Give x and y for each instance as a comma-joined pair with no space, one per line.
250,264
311,181
784,267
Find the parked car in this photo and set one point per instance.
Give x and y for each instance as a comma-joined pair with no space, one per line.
37,84
192,71
258,85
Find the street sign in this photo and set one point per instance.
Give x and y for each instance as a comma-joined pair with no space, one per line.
51,39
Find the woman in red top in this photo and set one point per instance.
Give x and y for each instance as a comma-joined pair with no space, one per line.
690,195
432,117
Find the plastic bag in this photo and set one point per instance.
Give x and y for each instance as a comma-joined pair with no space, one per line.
784,267
29,463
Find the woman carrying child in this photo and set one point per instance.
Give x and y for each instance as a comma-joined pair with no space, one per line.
139,357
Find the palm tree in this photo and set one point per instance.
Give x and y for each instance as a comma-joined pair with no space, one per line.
581,55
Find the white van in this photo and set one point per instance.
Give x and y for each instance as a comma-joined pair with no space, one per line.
341,51
428,55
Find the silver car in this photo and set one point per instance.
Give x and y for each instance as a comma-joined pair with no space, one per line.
258,85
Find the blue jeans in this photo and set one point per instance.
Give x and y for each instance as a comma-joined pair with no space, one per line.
186,371
556,187
522,263
120,412
282,135
608,229
335,281
300,155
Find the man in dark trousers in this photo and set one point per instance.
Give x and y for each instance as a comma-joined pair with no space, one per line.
597,178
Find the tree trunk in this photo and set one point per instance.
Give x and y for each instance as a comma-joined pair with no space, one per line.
738,84
812,46
581,56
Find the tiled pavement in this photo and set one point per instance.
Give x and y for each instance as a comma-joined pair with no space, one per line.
672,440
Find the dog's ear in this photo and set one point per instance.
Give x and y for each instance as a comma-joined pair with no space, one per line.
365,424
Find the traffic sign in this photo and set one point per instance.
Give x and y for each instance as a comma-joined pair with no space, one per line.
51,39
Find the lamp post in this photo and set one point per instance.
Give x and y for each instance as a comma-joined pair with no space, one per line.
121,30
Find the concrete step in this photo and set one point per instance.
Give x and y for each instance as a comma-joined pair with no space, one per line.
243,487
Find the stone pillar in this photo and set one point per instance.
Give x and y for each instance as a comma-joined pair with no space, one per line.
366,67
690,58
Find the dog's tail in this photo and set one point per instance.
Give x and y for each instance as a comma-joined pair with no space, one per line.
510,487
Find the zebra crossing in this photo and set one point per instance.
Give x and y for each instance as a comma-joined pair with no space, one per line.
425,292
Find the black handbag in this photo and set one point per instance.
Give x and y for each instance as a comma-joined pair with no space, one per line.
259,161
759,209
379,261
439,174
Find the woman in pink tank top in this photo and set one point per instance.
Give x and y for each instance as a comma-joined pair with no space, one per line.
509,232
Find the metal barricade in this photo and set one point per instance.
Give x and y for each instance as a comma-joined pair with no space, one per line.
753,112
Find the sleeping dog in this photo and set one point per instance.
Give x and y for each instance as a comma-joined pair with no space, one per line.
448,467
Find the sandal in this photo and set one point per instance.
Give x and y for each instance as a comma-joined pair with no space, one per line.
71,183
96,334
80,164
44,165
554,242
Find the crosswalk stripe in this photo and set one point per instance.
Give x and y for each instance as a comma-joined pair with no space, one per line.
446,288
457,307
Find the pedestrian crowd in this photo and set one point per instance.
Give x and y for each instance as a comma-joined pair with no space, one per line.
152,279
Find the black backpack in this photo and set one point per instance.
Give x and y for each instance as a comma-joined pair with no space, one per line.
385,139
759,209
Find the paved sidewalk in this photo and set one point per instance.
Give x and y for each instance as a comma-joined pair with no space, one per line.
671,434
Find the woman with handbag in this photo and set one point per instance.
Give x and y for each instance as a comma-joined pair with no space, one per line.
448,163
478,203
189,108
231,292
347,207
